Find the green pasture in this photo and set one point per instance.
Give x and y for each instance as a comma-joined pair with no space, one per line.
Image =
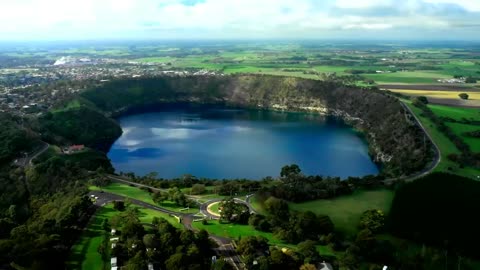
345,211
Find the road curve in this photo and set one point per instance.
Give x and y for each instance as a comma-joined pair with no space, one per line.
432,165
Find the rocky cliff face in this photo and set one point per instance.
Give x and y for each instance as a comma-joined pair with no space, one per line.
393,141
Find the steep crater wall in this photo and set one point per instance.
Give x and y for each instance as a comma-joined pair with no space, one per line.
394,142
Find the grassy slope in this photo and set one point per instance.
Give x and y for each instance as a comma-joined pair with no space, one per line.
345,211
138,194
236,231
84,254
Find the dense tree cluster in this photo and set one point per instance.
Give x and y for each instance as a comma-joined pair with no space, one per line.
296,187
234,212
174,195
79,125
290,226
13,137
163,245
258,255
445,218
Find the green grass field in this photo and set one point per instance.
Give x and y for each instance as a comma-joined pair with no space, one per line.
345,211
456,112
138,194
460,129
408,77
236,232
84,253
215,208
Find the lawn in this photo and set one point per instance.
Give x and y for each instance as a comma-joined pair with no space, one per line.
236,232
215,208
345,211
84,253
141,195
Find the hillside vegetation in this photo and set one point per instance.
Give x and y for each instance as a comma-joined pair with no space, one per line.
394,141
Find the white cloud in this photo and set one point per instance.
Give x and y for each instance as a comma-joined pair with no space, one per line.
85,19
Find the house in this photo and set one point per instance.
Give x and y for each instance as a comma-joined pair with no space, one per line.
73,149
150,266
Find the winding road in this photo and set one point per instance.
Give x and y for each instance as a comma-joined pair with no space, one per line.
27,160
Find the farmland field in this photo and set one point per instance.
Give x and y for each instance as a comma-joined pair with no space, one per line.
445,97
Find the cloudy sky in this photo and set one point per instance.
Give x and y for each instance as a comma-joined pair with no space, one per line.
239,19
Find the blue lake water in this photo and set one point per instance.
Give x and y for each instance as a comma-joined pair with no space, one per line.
227,144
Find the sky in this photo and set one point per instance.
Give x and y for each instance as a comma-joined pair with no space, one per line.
22,20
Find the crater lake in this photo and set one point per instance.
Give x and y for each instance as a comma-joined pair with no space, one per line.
229,143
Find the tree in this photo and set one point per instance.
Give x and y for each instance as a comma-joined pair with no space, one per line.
308,251
198,189
159,197
132,229
463,96
470,79
289,170
138,262
250,245
176,262
105,225
277,208
119,205
374,220
150,241
308,266
422,99
234,212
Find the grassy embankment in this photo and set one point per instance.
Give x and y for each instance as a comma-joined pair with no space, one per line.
84,255
444,143
141,195
344,211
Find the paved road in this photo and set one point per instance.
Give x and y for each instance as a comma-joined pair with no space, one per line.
27,161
